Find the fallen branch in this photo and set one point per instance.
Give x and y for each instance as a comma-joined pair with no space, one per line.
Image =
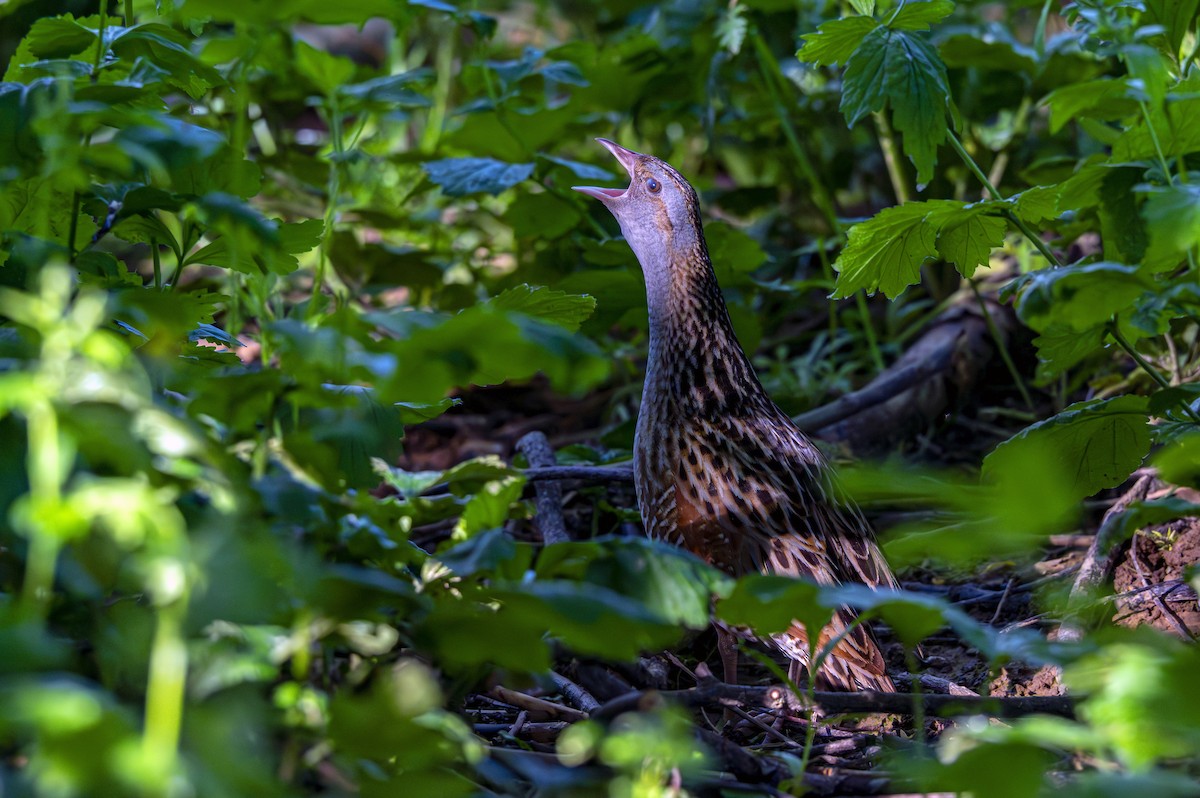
597,474
574,694
867,701
540,454
1101,558
538,706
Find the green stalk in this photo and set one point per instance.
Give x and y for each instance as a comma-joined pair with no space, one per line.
891,157
165,687
769,67
1000,347
74,229
157,256
100,48
333,191
44,464
1114,330
128,13
864,316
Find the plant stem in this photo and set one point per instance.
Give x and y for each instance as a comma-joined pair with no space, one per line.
128,13
1114,330
154,253
769,67
1000,347
887,143
165,688
44,464
864,315
74,229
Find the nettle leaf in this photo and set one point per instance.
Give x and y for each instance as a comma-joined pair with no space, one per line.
328,72
1176,126
920,15
897,68
489,508
1078,297
461,176
835,41
1099,443
540,302
887,251
866,7
1172,217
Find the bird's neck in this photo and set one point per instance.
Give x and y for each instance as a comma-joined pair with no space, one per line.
695,359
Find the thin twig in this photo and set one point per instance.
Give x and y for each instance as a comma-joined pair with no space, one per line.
1167,612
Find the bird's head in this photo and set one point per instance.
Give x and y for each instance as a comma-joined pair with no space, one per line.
659,212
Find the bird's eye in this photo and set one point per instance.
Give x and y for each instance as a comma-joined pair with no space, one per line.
653,185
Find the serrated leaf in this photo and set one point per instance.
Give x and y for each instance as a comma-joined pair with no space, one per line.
920,15
918,93
887,251
835,41
865,7
1037,204
327,72
489,507
865,82
59,37
540,302
1098,443
1060,347
168,50
969,244
461,176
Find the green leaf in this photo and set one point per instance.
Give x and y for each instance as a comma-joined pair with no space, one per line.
589,619
1176,16
865,7
1060,347
461,176
489,508
1099,443
327,72
168,50
969,244
896,67
671,583
770,604
543,216
1078,297
835,41
865,82
887,251
585,171
1104,98
1172,217
1179,461
389,91
540,302
918,92
59,37
920,15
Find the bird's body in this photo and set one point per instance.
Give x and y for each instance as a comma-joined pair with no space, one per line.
719,469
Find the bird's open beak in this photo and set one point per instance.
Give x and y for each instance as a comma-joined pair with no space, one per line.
628,159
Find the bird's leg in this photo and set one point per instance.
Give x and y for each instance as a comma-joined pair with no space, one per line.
727,647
